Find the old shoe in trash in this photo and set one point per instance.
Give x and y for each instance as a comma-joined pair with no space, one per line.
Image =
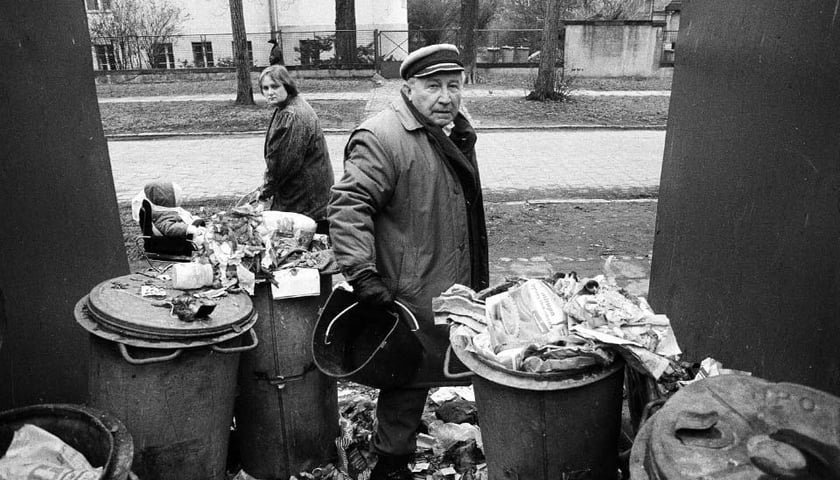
391,468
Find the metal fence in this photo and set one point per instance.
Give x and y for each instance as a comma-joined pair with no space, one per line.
302,49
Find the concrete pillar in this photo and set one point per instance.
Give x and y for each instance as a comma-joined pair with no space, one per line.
746,257
59,224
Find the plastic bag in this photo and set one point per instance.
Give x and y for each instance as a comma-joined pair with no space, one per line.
36,454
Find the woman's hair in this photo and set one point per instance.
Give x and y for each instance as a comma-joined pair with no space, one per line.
279,74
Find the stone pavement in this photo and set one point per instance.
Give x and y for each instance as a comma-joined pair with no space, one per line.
545,162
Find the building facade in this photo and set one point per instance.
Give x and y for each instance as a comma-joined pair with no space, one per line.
303,29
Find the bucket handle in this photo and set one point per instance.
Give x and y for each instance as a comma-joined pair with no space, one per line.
414,327
244,348
145,361
446,372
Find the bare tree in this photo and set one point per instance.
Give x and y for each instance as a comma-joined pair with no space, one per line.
345,31
544,88
524,13
244,90
137,28
611,9
469,21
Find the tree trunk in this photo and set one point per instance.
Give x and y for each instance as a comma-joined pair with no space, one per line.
469,21
244,90
547,73
345,34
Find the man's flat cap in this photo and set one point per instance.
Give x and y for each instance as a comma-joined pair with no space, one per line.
431,59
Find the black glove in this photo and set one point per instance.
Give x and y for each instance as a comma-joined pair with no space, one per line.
371,291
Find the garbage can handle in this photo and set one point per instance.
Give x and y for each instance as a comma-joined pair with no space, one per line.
244,348
414,326
449,374
145,361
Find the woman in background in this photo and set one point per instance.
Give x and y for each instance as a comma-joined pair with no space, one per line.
298,173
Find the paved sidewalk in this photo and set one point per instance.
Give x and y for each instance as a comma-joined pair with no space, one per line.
566,161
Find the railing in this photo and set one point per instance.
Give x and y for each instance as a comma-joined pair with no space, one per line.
302,49
310,49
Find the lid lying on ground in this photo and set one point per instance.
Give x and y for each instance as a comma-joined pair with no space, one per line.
116,310
741,427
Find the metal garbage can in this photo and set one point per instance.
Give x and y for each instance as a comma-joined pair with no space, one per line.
99,436
286,409
171,382
547,426
740,427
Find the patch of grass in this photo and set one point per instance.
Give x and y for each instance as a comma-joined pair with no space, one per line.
634,111
525,81
186,86
189,117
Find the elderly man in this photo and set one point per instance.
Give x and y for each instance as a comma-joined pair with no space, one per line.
407,222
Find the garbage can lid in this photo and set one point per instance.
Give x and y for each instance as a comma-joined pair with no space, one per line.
116,310
742,427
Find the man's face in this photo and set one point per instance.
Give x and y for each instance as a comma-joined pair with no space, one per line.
437,97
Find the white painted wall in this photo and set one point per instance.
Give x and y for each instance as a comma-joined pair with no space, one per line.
209,21
213,16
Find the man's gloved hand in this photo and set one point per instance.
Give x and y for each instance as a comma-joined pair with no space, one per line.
371,291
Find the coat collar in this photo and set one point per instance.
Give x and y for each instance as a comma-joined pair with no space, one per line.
404,115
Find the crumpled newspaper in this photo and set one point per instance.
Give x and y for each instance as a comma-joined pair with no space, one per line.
524,322
36,454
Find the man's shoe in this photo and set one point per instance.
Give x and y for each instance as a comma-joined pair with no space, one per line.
391,468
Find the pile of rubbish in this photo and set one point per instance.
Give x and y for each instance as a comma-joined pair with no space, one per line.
246,244
449,446
560,324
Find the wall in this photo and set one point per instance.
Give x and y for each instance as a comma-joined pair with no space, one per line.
613,48
213,16
297,18
746,255
209,21
61,229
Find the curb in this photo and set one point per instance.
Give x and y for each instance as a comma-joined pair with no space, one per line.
336,131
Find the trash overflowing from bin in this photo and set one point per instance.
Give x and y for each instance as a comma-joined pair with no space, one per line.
247,242
560,324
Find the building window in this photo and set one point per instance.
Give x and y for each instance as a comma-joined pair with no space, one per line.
202,54
250,53
162,56
105,59
310,52
98,5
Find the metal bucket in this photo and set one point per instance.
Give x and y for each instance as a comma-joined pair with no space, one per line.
100,437
286,410
547,426
172,383
370,347
740,427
